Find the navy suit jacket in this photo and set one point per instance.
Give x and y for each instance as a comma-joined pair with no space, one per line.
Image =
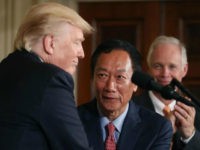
37,108
145,100
142,129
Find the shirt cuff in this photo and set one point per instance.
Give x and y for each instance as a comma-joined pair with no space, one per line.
188,139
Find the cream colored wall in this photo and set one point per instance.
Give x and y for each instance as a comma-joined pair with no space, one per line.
11,12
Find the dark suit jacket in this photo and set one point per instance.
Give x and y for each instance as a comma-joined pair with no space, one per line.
142,129
37,108
194,144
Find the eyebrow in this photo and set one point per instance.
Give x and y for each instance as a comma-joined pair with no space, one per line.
104,69
101,69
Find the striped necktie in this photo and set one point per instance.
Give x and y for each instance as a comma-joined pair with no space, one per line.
110,141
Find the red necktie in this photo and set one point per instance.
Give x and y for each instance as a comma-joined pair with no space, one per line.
110,141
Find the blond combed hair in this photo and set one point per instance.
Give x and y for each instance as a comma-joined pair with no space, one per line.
42,19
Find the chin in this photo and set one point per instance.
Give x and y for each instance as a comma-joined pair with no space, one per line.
111,107
71,71
164,83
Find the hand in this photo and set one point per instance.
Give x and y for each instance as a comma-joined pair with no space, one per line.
185,116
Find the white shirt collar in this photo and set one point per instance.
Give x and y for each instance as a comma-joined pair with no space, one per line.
118,122
159,105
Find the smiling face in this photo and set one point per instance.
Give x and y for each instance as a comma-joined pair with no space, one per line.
112,80
166,64
67,47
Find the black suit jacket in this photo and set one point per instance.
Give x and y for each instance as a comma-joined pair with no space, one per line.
142,129
37,108
145,100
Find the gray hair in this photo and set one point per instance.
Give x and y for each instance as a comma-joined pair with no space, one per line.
167,39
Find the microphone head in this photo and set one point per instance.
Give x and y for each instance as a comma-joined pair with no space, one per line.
168,92
147,82
142,79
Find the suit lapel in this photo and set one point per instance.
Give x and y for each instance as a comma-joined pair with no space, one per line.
130,130
94,129
144,100
95,135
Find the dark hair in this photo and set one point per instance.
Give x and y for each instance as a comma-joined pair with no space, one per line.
116,44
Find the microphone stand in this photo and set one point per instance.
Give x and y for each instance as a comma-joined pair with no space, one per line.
185,91
168,92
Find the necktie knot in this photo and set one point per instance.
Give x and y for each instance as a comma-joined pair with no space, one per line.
110,128
166,110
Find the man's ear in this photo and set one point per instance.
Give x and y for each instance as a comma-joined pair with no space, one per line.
48,44
135,87
185,70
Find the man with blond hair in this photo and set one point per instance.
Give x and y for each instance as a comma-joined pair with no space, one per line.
37,107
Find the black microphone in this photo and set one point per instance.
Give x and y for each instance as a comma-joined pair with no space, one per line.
186,91
147,82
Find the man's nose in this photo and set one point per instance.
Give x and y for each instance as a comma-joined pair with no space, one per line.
165,71
111,84
81,53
